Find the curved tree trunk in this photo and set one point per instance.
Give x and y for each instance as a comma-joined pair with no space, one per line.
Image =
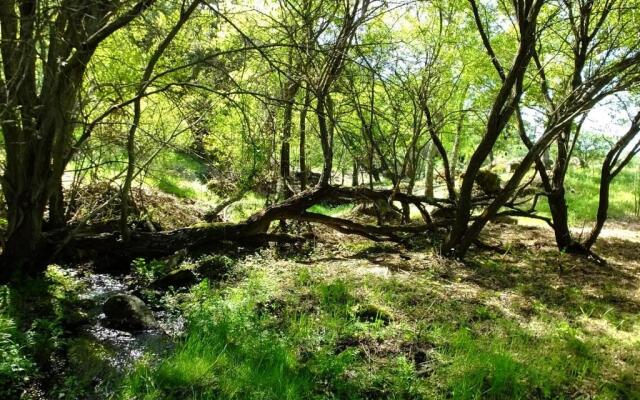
611,167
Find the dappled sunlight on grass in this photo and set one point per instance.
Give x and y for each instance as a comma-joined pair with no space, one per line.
582,191
518,325
333,211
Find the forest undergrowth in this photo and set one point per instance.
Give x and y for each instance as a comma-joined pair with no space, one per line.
351,319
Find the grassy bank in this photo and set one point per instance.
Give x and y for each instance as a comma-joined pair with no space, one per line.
371,325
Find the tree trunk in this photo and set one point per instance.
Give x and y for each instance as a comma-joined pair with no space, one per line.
38,101
603,209
303,139
354,175
428,180
504,105
289,94
326,140
556,199
560,217
57,218
22,253
546,159
609,172
455,152
406,208
131,163
137,112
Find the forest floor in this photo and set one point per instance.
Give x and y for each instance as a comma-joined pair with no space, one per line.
341,317
347,318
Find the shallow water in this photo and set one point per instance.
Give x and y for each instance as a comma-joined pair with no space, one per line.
125,347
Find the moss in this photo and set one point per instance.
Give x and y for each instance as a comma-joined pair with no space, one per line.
372,313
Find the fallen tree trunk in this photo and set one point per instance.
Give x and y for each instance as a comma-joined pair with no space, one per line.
109,248
159,244
253,230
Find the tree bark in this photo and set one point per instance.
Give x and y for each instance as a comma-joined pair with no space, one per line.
288,96
429,173
303,140
455,151
502,109
354,174
57,218
38,98
560,217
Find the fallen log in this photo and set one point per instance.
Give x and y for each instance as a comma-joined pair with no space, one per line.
252,231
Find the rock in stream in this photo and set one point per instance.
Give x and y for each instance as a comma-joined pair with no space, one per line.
128,313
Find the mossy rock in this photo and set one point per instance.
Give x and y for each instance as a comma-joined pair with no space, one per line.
215,267
488,181
128,313
175,279
373,313
89,357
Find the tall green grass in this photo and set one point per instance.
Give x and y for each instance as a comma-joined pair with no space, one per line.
246,344
582,194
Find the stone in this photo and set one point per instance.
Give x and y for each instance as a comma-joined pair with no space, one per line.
488,182
215,267
176,279
128,313
505,220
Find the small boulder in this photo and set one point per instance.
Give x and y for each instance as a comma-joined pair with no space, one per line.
488,182
128,313
176,279
215,267
505,220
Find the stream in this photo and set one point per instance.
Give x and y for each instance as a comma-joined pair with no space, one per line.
124,348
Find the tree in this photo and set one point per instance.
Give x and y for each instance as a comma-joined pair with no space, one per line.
504,105
46,47
186,11
613,163
595,30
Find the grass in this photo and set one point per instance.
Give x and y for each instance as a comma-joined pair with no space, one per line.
33,317
251,343
368,324
15,364
227,354
181,175
183,165
512,327
176,187
333,211
583,185
241,210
